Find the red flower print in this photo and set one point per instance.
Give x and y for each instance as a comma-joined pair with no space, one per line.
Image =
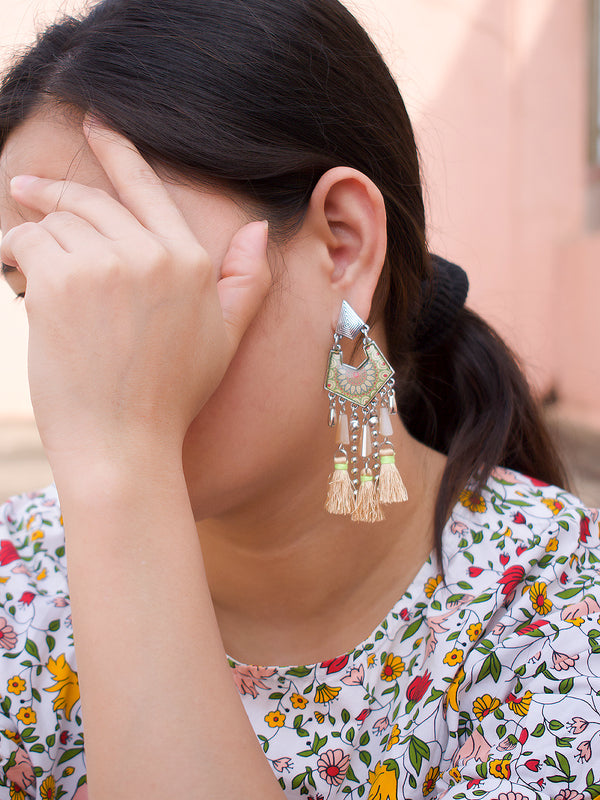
531,626
335,664
64,737
584,530
504,559
7,552
404,614
512,578
519,518
26,597
533,764
475,571
418,686
363,714
332,766
521,549
8,637
563,578
523,736
473,782
538,482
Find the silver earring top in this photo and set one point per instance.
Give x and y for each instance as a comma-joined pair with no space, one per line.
349,323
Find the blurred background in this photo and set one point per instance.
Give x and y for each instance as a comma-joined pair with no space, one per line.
504,97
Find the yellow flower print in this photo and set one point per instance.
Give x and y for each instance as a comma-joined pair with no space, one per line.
539,601
552,544
48,789
27,716
16,793
521,705
66,683
454,773
37,535
499,768
371,660
41,575
13,735
576,621
472,501
430,780
393,738
432,584
383,783
454,657
30,522
484,705
554,505
275,719
451,694
16,685
324,694
393,668
319,717
474,631
298,701
68,771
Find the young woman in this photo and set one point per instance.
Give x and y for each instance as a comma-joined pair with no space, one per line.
191,192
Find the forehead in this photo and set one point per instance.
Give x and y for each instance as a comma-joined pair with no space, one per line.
50,144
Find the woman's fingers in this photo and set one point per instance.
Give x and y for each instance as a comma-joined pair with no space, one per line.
138,186
30,246
245,279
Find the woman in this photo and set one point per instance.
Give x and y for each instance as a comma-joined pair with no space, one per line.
177,351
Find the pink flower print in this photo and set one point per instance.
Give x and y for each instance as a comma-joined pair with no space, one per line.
21,569
498,629
332,766
568,794
466,598
459,527
563,661
381,725
21,773
585,752
282,764
507,744
503,474
60,602
248,678
577,725
511,796
594,515
476,747
355,677
8,637
81,793
586,606
435,623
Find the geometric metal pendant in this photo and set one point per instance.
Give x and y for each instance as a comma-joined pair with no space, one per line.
358,384
349,323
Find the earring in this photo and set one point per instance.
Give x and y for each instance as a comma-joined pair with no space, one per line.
361,398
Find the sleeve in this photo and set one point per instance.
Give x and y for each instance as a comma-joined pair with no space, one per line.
529,717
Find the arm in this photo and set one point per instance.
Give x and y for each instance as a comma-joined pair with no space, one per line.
160,708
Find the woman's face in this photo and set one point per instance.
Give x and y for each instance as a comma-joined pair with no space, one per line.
265,428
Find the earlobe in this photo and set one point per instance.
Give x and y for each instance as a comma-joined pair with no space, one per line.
350,212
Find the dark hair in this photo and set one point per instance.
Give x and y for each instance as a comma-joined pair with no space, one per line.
264,96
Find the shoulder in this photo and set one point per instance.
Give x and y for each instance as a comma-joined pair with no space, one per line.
523,568
40,724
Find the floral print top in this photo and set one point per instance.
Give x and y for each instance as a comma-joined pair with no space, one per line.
485,685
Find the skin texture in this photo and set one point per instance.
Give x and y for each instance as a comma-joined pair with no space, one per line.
176,370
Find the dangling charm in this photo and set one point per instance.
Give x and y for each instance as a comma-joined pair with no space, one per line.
366,387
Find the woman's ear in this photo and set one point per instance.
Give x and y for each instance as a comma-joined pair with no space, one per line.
348,211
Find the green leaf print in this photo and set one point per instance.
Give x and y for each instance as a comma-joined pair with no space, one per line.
417,751
31,648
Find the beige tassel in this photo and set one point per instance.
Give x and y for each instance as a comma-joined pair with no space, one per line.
391,485
367,503
340,496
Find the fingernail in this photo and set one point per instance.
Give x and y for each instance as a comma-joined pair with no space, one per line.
22,182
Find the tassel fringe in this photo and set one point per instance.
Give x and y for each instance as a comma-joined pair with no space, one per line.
367,503
391,485
340,496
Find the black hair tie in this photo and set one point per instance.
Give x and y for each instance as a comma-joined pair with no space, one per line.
442,298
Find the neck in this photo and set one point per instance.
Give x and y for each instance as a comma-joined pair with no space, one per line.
293,584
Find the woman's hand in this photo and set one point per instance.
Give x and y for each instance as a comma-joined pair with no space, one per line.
130,330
